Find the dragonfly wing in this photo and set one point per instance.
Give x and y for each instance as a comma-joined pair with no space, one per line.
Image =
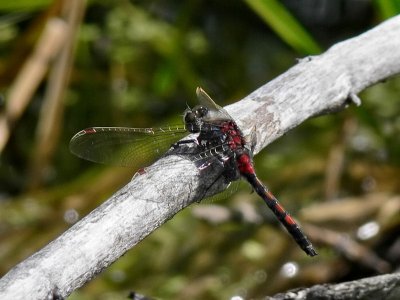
206,100
216,112
231,189
122,146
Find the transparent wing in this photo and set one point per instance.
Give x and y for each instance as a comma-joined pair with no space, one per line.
205,99
216,112
122,146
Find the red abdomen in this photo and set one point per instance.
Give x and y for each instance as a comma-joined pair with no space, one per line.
245,164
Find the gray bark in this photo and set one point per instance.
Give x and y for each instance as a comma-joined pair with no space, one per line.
383,287
316,85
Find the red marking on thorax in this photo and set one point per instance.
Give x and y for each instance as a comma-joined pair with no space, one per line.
235,137
237,142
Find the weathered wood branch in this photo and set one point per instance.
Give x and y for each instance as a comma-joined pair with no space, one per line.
316,85
383,287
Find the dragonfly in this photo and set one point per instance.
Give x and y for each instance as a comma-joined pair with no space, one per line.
212,132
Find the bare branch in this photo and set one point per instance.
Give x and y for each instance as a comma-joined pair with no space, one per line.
378,287
321,84
317,85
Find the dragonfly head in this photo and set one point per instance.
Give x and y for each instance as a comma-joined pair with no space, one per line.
194,118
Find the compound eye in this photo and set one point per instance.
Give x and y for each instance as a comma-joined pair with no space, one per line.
201,111
190,117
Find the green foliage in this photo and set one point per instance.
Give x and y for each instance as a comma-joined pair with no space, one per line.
286,26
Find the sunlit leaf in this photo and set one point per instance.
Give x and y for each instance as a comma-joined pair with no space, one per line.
285,25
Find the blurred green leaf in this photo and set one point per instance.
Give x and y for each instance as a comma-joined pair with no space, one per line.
285,25
21,5
388,8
